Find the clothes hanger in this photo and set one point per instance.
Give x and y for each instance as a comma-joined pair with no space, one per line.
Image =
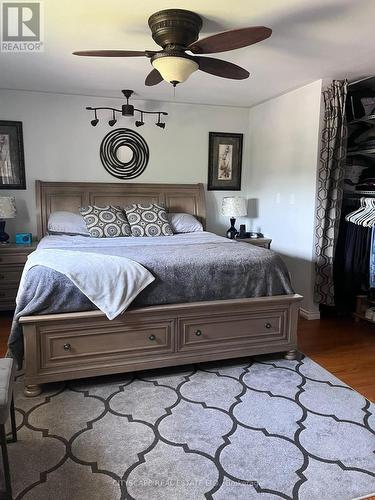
365,215
352,217
371,219
365,218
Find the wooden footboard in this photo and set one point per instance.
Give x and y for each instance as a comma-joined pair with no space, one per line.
86,344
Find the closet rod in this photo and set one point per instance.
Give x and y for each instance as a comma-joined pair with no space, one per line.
360,80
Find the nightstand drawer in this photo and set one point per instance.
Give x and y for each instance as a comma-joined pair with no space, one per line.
8,295
10,276
13,258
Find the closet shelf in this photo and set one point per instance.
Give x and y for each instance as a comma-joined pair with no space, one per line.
362,152
365,119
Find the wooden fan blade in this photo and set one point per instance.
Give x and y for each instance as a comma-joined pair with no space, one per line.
114,53
153,78
221,68
230,40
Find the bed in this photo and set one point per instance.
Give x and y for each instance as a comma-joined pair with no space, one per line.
164,326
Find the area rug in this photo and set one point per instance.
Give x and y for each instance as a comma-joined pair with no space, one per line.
261,429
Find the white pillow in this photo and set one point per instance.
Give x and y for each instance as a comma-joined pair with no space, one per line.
184,223
67,223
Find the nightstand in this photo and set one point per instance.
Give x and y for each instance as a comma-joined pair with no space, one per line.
12,260
259,242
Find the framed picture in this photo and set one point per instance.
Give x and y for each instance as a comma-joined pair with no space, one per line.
224,161
12,164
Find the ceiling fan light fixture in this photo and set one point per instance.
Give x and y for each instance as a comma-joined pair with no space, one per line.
175,69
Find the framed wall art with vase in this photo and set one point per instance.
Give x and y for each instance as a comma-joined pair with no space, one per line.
12,164
224,161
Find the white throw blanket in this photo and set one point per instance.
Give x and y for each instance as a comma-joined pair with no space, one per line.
110,282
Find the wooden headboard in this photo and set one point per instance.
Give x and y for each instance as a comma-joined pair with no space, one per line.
70,196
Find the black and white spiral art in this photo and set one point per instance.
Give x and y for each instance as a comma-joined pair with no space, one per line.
120,165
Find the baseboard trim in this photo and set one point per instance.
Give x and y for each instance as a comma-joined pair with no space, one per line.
309,314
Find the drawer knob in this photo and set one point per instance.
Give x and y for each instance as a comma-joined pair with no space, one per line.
152,337
2,276
268,325
198,333
67,347
2,294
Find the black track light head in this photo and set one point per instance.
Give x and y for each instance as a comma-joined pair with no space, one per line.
139,123
113,121
95,121
160,124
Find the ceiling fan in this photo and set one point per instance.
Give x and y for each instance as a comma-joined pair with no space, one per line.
177,31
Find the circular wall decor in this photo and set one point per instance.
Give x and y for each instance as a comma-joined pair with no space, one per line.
124,153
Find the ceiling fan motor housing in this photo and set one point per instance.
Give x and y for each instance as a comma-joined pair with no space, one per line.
175,28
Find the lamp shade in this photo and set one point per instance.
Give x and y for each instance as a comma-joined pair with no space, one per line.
175,69
7,207
234,206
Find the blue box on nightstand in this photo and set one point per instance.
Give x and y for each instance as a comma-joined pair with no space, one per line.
24,238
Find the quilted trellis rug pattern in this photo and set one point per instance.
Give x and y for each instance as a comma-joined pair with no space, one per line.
262,429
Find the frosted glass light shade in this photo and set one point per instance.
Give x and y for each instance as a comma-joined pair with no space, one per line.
175,68
7,207
234,206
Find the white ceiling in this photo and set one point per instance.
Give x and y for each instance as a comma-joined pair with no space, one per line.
311,39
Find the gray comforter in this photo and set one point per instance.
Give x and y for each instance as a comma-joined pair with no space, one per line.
187,268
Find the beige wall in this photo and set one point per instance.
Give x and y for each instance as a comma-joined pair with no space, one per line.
283,155
61,145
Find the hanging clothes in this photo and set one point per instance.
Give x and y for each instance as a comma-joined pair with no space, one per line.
352,258
372,261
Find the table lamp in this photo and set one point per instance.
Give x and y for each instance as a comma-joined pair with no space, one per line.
7,211
233,206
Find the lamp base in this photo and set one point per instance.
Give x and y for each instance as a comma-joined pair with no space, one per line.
232,231
4,237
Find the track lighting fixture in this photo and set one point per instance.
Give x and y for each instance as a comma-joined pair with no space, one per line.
95,121
113,121
160,123
140,122
127,110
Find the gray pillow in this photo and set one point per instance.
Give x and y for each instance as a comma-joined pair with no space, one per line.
148,219
184,223
67,223
105,222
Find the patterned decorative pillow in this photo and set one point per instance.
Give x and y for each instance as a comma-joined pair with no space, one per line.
105,222
148,220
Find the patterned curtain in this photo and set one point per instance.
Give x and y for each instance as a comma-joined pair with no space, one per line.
330,189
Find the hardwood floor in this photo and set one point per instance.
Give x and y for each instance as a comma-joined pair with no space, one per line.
341,346
344,348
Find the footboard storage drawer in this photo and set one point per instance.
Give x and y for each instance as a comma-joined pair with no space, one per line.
86,344
223,332
83,347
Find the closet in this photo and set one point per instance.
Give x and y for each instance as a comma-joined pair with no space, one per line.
353,254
